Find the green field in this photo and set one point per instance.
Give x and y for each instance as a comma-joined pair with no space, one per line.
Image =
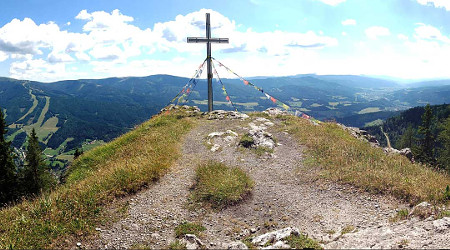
296,104
369,110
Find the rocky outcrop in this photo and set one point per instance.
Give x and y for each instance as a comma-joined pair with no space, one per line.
261,138
192,242
361,135
405,152
219,139
222,114
275,112
193,110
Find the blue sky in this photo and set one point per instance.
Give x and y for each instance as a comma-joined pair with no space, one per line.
55,40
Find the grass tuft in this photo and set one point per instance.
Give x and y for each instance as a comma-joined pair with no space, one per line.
401,214
188,228
302,242
121,167
345,159
220,185
177,245
246,141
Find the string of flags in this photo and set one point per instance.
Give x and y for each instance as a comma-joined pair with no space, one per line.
190,85
184,94
218,80
271,98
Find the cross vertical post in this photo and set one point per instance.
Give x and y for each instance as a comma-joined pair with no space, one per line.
208,40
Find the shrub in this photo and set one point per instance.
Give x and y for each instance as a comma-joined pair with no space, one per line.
221,185
247,141
302,242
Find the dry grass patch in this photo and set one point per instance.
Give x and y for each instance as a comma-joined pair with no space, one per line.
220,185
123,166
345,159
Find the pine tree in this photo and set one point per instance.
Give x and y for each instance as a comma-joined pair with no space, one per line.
444,138
8,175
77,153
36,174
426,141
407,140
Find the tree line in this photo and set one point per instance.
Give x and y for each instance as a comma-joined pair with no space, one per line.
29,179
425,130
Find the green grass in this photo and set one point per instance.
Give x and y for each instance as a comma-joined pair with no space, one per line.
344,159
188,228
220,185
177,245
98,177
347,229
302,242
246,141
401,214
369,110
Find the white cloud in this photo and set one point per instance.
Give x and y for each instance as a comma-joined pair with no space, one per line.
429,32
3,56
332,2
402,37
111,45
436,3
348,22
377,31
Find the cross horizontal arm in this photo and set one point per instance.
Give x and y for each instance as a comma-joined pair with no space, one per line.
205,40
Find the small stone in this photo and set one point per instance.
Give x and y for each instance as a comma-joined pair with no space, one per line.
253,230
78,244
215,147
98,229
236,245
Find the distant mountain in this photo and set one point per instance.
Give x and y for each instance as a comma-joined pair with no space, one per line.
68,114
429,83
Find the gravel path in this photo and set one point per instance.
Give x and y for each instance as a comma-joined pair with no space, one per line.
286,193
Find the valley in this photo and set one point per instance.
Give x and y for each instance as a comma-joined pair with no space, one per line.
74,114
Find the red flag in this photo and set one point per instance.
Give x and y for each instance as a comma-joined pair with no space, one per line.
306,116
228,98
245,82
273,99
188,90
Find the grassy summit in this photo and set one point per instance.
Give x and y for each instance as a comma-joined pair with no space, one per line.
138,158
121,167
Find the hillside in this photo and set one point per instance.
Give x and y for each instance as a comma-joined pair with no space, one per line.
139,190
396,125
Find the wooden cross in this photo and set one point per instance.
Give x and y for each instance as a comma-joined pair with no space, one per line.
208,40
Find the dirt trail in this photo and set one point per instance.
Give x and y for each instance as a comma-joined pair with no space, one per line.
285,194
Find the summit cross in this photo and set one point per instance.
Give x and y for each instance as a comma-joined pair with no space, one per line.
208,40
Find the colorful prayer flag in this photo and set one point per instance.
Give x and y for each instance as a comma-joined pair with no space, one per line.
245,82
285,106
228,98
267,95
273,99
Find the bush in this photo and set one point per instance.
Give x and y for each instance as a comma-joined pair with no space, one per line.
221,185
302,242
247,141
